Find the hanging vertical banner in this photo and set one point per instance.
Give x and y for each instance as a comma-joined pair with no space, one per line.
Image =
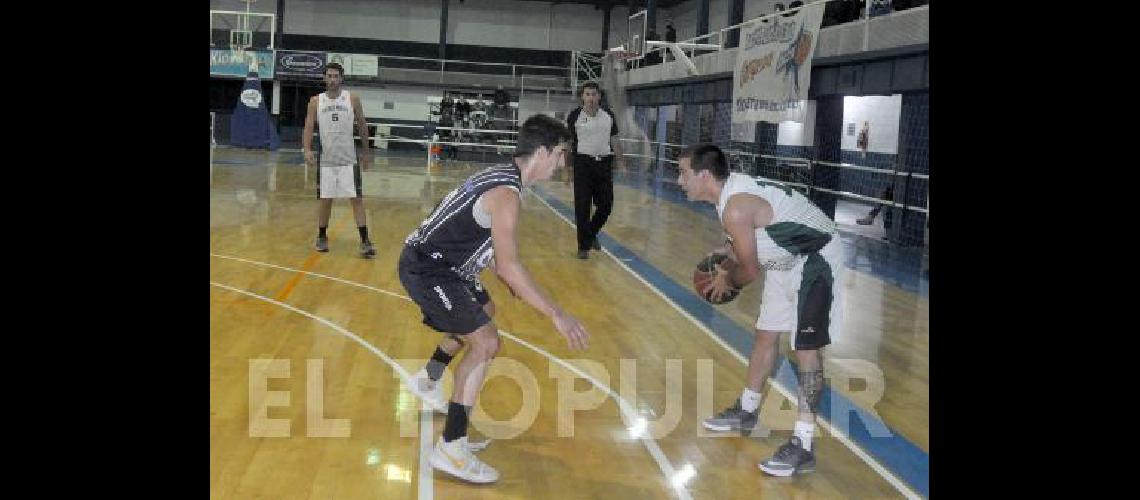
773,67
250,126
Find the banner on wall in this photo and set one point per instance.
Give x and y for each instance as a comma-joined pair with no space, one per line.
299,65
356,64
773,67
225,62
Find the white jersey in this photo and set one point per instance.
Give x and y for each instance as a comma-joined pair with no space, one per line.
591,134
798,227
335,120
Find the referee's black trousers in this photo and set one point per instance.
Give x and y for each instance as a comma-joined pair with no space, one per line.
593,184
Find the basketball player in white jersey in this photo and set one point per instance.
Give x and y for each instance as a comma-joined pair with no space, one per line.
773,226
339,173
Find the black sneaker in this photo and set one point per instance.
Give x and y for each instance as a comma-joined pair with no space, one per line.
322,244
366,249
733,418
790,459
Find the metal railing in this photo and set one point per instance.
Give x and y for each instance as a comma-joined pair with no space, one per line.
444,67
433,64
802,163
584,67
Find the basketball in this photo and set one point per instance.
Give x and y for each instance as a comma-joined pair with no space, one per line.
706,270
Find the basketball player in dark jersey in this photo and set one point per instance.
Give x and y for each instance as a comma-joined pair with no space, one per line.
473,226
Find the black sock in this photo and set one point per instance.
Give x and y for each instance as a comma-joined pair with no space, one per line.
321,232
438,362
456,426
363,233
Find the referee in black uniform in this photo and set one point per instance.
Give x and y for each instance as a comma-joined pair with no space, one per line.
596,145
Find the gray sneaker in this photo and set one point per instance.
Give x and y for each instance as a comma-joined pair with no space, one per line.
366,249
733,418
790,459
322,244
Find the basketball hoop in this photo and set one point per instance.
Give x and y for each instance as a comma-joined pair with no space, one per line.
248,31
242,37
621,58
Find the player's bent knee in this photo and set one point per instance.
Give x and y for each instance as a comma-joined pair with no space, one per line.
485,341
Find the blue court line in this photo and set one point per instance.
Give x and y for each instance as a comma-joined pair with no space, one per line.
897,454
894,264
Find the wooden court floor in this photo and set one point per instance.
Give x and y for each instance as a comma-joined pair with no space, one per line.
307,351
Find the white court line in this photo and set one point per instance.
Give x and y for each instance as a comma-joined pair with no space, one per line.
627,409
899,484
426,476
325,276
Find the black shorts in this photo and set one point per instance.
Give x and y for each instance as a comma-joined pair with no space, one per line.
449,303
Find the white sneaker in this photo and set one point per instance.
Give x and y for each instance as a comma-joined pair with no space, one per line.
430,391
455,458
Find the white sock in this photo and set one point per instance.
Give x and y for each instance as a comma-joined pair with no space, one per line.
804,430
749,400
457,444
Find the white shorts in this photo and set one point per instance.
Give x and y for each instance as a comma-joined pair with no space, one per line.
339,182
806,300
